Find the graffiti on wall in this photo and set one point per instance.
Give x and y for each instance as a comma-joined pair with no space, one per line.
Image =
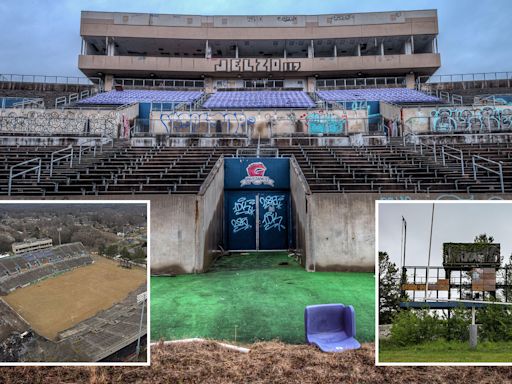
271,218
191,122
322,122
60,122
482,119
257,65
240,224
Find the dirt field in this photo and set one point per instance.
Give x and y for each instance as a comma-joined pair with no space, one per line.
267,362
56,304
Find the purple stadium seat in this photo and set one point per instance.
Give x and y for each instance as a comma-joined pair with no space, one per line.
142,96
331,327
392,95
259,99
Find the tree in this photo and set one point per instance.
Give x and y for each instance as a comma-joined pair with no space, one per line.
111,250
124,253
483,239
389,289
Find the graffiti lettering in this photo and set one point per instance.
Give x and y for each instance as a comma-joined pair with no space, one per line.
240,224
272,220
275,201
244,206
231,122
484,119
256,65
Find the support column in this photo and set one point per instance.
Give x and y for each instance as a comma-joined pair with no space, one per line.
408,47
382,48
109,82
410,81
111,47
311,50
207,51
335,51
236,51
358,50
284,54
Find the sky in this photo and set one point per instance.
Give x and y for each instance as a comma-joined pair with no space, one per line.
42,36
456,222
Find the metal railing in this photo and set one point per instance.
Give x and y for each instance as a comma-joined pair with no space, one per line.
47,79
499,172
464,77
445,154
63,157
36,168
427,146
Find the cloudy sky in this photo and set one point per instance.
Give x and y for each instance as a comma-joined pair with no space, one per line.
453,222
42,36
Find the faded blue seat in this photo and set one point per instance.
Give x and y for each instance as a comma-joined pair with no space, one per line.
331,327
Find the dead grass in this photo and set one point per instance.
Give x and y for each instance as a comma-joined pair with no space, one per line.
267,362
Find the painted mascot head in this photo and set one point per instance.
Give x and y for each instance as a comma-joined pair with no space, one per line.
256,169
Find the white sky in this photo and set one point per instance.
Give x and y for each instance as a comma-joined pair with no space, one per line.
453,222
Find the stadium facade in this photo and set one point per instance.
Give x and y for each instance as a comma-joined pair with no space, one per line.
236,154
253,51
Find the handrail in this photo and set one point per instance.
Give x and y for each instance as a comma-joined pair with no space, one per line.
461,158
499,172
36,167
433,147
69,155
81,150
48,79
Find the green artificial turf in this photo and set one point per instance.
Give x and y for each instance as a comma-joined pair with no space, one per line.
445,352
253,297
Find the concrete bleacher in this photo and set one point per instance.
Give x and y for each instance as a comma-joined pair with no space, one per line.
398,169
258,99
347,169
109,330
120,170
21,270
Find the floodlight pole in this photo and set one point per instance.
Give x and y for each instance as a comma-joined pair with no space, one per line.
137,351
429,250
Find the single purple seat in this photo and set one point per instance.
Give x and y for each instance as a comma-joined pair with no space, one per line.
331,327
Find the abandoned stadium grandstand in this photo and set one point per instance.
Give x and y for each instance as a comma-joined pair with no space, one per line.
35,326
259,143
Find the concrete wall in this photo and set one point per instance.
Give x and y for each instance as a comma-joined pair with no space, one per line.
342,232
211,217
329,66
45,122
349,25
173,234
300,195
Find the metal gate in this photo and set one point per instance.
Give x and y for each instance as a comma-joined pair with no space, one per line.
258,220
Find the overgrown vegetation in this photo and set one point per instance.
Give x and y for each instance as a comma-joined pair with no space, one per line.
389,289
422,326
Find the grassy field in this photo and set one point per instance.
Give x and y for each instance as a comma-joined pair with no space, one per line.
250,297
55,304
446,352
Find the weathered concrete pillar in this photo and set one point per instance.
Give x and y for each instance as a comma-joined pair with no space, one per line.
410,80
109,82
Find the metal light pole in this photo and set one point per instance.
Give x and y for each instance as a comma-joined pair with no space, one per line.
141,298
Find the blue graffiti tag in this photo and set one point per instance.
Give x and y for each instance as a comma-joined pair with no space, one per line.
240,224
244,206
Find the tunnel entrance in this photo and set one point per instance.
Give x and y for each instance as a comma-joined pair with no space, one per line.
257,204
